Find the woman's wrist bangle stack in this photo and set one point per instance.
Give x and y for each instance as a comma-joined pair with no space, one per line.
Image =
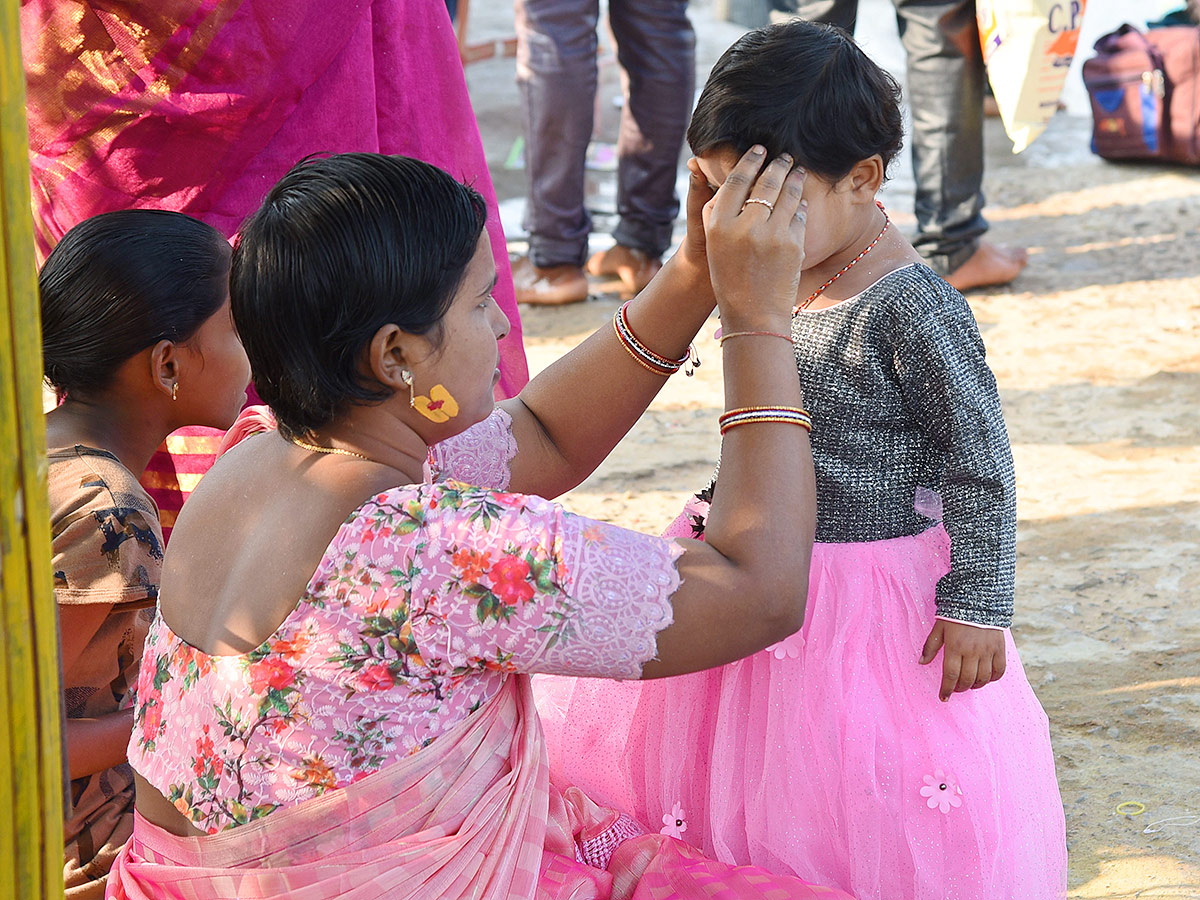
746,414
647,358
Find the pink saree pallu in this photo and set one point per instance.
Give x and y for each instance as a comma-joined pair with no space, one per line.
473,815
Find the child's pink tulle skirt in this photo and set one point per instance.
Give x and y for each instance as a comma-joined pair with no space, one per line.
829,755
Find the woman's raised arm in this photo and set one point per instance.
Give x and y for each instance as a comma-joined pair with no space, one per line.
744,587
571,416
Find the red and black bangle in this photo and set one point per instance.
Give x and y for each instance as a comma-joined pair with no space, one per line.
644,356
746,414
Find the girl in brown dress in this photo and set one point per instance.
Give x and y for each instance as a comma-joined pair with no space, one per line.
137,341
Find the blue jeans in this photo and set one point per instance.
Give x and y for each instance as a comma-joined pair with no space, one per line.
945,92
556,74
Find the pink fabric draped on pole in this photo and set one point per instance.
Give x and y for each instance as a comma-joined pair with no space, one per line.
472,815
202,105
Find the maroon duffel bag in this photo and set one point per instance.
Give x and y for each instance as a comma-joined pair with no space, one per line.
1145,92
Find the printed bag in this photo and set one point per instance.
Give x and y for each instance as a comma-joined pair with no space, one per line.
1145,93
1028,46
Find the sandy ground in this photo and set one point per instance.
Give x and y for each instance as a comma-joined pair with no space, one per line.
1097,351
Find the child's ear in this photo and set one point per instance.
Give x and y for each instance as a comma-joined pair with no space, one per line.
164,368
866,178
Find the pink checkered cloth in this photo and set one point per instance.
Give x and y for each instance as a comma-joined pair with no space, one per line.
471,816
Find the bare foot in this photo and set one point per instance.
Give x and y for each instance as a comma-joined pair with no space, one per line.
990,265
549,285
633,267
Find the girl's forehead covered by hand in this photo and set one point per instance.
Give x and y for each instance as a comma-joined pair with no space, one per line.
716,165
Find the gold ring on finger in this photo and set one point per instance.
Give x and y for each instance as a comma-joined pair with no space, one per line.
767,203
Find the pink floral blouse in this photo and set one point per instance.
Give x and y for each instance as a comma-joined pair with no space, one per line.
424,602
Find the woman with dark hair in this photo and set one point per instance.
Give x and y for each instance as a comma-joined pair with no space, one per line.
336,700
138,341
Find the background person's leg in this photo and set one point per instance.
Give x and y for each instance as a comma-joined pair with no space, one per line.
945,94
556,74
656,48
843,13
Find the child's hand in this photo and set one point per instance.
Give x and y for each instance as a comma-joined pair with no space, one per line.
973,656
693,249
754,234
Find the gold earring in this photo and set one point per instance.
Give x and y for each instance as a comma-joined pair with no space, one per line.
175,391
406,377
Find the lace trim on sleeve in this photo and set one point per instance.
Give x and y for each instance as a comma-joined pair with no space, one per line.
621,583
481,455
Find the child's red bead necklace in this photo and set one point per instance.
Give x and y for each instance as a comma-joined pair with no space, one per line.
850,265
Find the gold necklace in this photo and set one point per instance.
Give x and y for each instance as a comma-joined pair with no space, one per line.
305,445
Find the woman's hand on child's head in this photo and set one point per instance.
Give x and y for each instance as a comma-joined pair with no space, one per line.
754,239
972,656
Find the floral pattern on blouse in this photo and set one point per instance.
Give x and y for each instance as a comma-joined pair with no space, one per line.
424,602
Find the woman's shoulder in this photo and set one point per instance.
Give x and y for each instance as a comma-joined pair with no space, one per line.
480,455
418,527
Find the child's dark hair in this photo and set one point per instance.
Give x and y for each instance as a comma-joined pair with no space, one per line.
342,246
801,88
120,282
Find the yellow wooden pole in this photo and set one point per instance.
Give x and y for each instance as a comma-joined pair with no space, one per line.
31,772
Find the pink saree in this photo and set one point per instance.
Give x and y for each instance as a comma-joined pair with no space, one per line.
472,815
201,106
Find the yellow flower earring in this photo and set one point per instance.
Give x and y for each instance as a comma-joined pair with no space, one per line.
439,406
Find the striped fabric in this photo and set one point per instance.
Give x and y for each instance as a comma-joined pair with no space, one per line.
175,470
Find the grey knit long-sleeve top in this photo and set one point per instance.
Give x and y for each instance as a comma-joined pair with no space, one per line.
903,403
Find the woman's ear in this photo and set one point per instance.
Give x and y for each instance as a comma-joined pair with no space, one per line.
390,355
866,178
164,368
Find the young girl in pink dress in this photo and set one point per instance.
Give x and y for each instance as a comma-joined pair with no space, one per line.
893,747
